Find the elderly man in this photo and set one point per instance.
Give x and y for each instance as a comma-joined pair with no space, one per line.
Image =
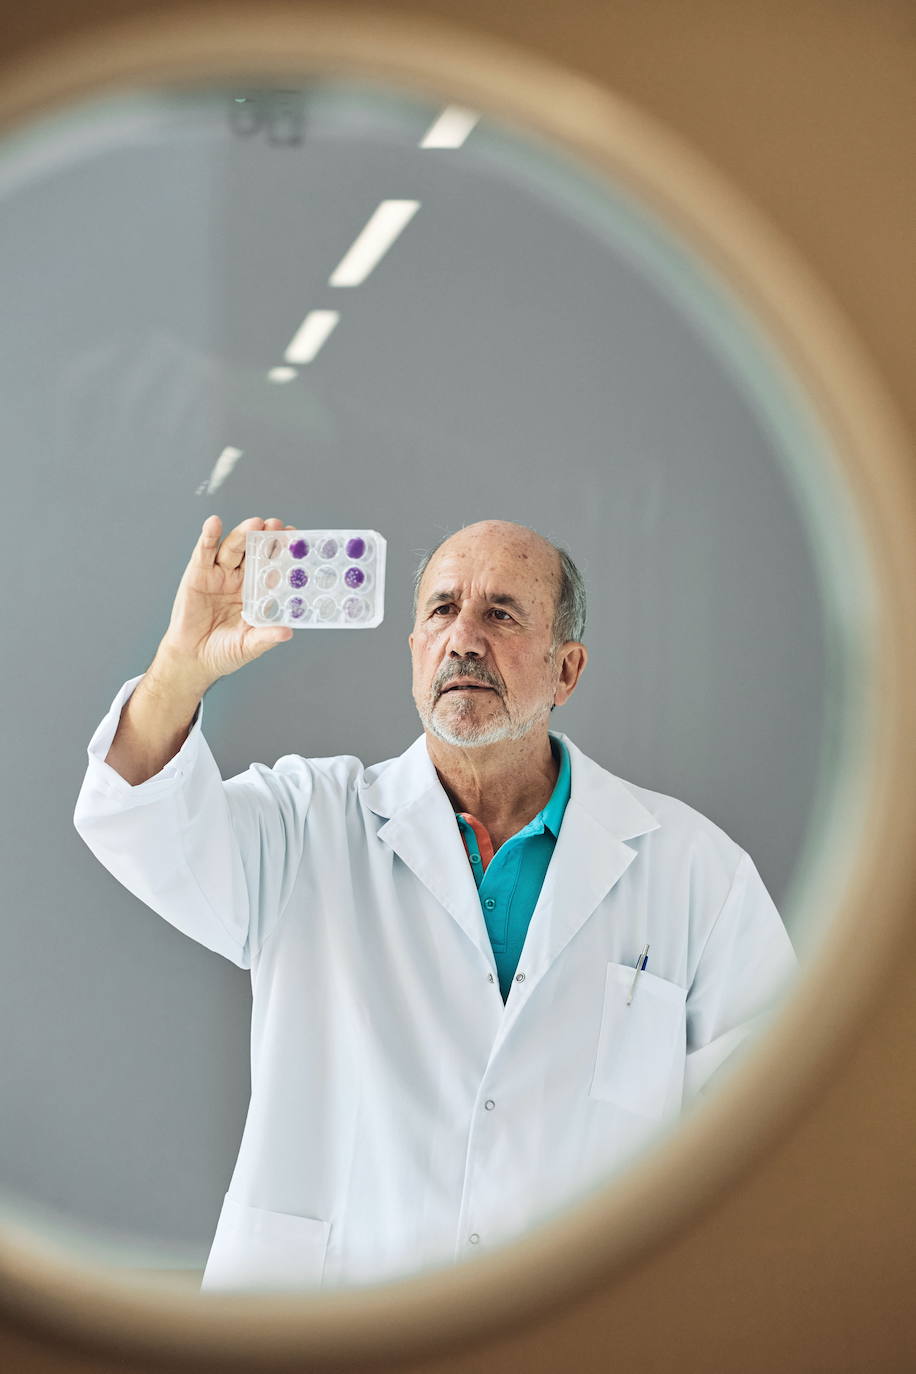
485,973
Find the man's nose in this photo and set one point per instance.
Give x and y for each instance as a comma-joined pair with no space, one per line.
466,636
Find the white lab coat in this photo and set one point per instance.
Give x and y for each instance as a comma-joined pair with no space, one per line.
401,1115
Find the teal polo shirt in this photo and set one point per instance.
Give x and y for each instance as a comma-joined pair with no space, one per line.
510,882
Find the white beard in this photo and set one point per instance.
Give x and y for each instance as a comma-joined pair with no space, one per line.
469,732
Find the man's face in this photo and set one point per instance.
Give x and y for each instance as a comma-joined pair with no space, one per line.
485,612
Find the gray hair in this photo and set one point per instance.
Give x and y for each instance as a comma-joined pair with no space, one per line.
569,615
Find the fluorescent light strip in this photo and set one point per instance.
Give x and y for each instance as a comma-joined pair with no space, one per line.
223,466
282,374
451,128
375,240
311,334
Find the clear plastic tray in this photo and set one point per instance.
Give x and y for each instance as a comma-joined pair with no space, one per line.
314,579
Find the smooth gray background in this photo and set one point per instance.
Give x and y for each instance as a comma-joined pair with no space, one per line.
501,361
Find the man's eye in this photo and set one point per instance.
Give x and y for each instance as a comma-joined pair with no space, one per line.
496,610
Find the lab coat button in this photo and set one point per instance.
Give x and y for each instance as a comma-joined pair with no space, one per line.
474,1238
520,978
489,904
489,1104
491,978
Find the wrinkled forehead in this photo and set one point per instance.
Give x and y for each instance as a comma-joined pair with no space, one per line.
521,567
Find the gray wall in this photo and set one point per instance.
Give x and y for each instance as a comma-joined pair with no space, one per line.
504,360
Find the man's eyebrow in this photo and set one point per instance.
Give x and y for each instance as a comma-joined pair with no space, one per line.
499,599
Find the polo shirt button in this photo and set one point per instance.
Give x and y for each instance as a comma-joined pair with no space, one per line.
489,904
475,858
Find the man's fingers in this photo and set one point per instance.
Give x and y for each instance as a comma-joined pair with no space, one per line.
231,552
232,549
207,544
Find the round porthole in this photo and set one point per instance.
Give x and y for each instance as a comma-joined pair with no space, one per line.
849,476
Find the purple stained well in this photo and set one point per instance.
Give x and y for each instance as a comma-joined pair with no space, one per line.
299,548
354,577
298,577
355,549
296,606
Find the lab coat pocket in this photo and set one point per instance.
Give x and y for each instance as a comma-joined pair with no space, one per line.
255,1248
640,1045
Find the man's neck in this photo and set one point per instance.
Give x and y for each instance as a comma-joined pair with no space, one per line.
503,785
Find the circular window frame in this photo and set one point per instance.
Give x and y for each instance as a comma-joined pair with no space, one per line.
593,1242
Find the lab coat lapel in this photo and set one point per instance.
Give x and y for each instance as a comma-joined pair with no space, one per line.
589,858
422,830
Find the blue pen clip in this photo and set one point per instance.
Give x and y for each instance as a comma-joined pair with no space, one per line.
640,965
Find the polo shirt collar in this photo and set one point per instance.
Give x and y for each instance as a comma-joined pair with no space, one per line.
552,814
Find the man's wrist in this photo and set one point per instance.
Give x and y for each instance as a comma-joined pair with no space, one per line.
171,673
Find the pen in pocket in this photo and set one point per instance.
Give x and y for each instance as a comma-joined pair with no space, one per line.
640,965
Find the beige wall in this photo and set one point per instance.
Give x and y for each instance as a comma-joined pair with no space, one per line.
808,107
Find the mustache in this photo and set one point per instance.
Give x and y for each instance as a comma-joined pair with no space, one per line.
472,676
